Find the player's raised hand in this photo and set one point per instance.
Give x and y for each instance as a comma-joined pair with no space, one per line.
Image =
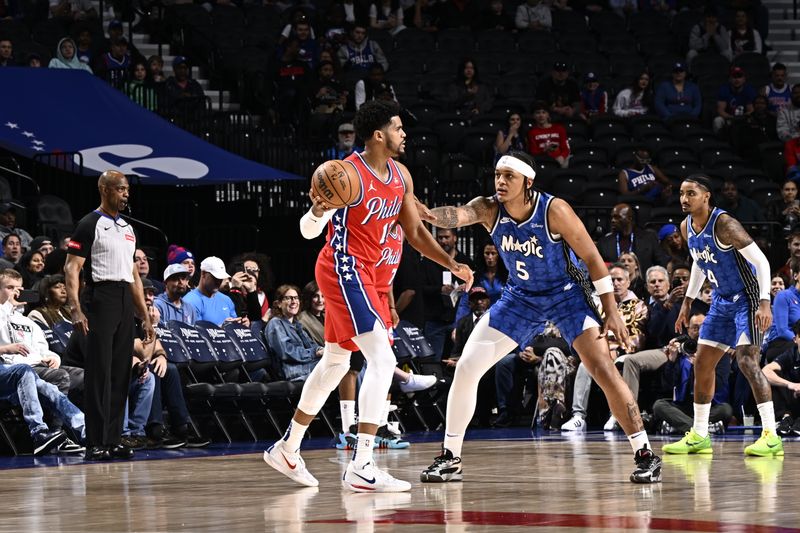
463,272
615,325
683,317
763,316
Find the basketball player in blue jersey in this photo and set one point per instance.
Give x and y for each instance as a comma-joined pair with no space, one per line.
538,238
740,312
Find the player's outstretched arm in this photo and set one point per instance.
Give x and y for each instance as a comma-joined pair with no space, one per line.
480,210
421,239
563,221
730,231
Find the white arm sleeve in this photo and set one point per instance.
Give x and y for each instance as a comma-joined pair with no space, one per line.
696,279
311,226
753,253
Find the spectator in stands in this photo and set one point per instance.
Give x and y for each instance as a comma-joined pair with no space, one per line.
546,138
287,338
312,312
735,99
468,94
637,283
793,244
678,373
85,51
8,224
740,207
360,52
672,242
155,67
709,36
785,314
559,91
346,142
140,397
636,99
776,285
34,60
308,47
408,288
786,209
660,308
114,66
12,248
181,87
66,58
424,14
52,307
212,305
491,274
634,314
777,92
180,255
6,53
170,303
438,292
783,375
30,267
556,369
292,79
594,98
534,15
72,10
495,17
242,289
143,266
789,117
744,38
753,129
139,88
258,266
330,96
370,87
623,8
644,178
41,244
510,138
626,237
386,15
678,97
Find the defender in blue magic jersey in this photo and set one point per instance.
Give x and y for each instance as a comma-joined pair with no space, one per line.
538,237
740,313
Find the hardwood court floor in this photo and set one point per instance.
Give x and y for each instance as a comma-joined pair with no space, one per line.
550,483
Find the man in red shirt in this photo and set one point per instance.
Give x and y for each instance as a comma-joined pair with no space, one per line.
546,138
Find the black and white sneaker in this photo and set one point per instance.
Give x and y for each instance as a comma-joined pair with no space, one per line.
784,426
47,440
69,447
648,466
444,468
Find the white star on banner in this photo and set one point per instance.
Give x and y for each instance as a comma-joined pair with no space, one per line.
339,247
11,125
337,227
38,143
37,148
28,134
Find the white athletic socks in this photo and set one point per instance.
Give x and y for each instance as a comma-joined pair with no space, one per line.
294,436
767,412
701,413
639,440
347,409
363,453
453,442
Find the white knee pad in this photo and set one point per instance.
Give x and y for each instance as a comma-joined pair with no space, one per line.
325,377
378,376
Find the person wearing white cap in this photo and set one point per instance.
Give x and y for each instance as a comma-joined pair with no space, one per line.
170,303
212,305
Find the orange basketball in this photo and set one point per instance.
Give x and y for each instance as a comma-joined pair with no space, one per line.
336,182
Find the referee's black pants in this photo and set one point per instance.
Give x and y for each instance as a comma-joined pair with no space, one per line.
109,352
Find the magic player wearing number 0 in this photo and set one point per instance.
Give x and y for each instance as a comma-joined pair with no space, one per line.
538,238
740,312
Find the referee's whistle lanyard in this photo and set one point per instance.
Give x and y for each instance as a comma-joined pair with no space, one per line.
630,249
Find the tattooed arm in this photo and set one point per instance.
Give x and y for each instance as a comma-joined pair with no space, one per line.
481,210
730,232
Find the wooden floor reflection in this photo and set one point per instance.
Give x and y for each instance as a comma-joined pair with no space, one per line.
554,485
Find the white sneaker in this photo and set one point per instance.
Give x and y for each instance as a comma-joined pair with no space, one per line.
289,464
417,383
611,425
576,423
370,478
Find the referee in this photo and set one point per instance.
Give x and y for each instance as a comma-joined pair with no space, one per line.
103,245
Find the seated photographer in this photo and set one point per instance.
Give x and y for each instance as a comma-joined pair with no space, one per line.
783,373
676,414
287,339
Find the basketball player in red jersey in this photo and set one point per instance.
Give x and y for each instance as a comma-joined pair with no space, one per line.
355,317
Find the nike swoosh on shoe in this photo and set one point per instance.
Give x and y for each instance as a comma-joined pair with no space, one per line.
370,481
290,465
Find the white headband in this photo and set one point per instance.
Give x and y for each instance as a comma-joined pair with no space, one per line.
516,164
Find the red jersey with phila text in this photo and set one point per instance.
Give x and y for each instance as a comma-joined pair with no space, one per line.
386,267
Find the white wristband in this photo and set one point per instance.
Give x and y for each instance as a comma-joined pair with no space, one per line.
603,285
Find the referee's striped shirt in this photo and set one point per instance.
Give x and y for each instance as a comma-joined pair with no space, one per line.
108,245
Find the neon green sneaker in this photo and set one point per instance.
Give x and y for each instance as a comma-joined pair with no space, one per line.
691,443
767,445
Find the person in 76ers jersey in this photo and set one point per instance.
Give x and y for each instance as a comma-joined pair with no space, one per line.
355,317
538,237
740,313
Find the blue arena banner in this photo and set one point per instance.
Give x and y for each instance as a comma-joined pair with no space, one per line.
53,110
